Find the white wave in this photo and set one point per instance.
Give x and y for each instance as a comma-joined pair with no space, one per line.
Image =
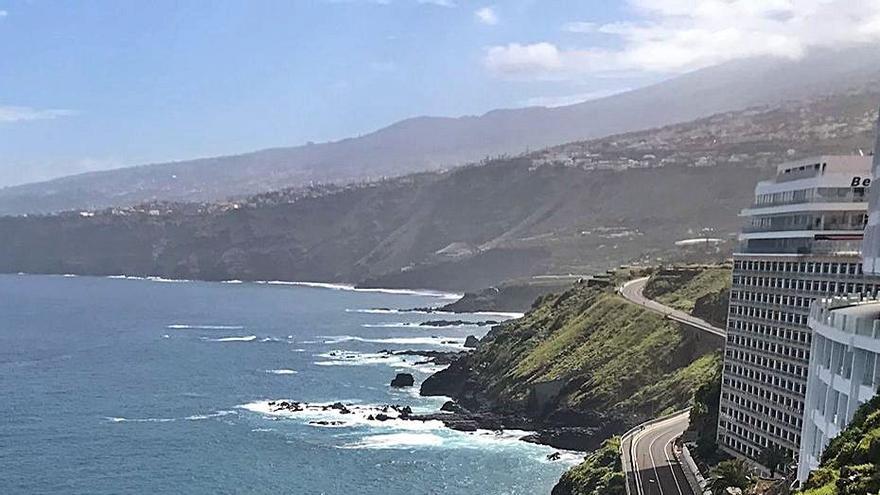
151,279
390,325
218,414
195,417
438,341
298,350
397,441
396,361
389,311
168,280
357,416
261,430
377,311
180,326
70,275
140,420
248,338
402,433
231,282
352,288
166,336
281,372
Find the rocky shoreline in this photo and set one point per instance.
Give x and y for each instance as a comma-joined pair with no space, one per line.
470,410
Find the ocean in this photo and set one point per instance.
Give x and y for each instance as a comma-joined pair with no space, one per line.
123,385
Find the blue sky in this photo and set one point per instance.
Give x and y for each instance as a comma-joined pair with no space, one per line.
90,85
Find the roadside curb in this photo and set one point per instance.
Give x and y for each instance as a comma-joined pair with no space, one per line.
691,471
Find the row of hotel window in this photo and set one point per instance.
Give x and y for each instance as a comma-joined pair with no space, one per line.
784,334
818,267
735,444
742,417
838,358
813,194
768,314
786,351
793,421
753,358
766,298
816,286
838,402
811,221
773,380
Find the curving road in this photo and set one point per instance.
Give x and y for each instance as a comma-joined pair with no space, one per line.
649,460
632,291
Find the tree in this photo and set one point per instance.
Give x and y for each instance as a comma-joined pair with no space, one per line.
773,458
732,473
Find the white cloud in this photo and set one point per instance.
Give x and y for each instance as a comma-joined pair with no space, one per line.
524,59
3,13
681,35
487,16
22,114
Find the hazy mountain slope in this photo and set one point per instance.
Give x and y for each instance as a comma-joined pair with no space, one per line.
427,143
618,198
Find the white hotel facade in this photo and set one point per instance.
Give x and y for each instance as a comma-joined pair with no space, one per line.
844,371
801,243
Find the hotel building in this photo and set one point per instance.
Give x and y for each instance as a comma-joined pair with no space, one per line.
801,242
844,371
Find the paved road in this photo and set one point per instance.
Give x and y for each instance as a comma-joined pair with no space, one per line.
649,462
632,291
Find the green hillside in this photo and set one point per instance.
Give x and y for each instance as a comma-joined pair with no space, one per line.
851,463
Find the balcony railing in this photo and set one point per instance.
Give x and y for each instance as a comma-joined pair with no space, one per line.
829,312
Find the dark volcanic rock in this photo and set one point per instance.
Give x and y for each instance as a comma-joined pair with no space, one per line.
471,342
403,380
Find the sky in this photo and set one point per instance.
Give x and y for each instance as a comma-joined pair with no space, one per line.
92,85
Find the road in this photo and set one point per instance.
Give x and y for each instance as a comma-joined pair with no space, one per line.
649,462
632,291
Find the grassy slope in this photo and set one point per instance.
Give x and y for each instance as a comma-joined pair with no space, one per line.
600,474
851,463
653,371
682,290
619,361
699,291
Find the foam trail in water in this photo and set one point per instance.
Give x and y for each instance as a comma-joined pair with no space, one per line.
349,287
281,372
248,338
438,341
180,326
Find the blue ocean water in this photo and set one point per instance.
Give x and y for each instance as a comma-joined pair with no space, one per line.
138,386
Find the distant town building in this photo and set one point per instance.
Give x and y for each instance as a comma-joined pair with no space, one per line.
844,369
801,242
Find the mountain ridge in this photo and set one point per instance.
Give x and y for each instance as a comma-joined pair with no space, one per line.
435,143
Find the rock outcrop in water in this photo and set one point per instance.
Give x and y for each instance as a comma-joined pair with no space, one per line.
403,380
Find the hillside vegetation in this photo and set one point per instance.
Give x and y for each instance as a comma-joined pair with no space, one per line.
607,363
431,143
703,292
851,462
572,210
601,473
